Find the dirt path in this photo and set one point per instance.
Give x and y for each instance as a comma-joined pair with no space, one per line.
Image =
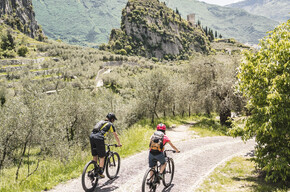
197,159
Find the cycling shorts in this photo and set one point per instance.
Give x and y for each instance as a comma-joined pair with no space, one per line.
154,158
98,147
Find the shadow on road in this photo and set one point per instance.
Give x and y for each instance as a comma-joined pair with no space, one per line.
168,188
105,188
250,154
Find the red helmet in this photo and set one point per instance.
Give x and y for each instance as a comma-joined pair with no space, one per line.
161,127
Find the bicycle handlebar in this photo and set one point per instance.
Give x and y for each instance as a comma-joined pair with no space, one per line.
112,145
171,150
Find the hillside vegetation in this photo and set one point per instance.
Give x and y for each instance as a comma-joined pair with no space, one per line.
90,22
81,22
51,96
231,23
151,29
277,10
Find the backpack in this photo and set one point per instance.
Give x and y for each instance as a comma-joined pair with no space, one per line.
99,126
156,141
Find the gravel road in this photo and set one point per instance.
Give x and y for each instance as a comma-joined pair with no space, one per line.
198,157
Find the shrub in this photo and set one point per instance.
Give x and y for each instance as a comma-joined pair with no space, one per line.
122,52
265,80
155,59
9,54
22,51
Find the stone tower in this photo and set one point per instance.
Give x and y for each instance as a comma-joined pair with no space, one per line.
191,19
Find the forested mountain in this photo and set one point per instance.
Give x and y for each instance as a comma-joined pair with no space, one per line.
79,22
277,10
236,23
90,22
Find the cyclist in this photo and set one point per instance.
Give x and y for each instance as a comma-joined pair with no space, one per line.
97,138
157,154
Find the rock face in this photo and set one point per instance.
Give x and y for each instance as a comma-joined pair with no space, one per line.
19,14
151,29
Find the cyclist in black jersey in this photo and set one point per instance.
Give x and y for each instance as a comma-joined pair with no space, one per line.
97,138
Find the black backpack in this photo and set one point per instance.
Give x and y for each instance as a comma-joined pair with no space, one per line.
156,141
99,126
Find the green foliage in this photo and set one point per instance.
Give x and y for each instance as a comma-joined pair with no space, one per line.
22,51
155,59
207,126
264,79
7,41
55,103
2,96
122,52
238,174
9,53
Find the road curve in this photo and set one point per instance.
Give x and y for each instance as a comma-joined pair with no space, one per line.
198,157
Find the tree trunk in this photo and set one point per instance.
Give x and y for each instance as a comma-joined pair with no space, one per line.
173,110
225,114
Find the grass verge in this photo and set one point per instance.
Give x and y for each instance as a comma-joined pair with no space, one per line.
52,172
208,127
238,175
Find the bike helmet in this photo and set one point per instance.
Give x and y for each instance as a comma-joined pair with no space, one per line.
111,116
161,127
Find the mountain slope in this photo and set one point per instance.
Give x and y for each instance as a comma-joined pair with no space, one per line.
230,22
19,14
90,22
151,29
79,22
277,10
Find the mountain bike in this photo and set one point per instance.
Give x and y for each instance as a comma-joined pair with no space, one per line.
151,179
90,173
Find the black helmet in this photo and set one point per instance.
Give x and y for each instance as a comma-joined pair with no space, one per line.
111,116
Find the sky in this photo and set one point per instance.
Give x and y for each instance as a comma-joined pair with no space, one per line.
220,2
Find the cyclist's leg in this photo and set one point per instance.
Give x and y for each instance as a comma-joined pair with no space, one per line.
161,158
101,152
152,163
162,167
94,149
102,162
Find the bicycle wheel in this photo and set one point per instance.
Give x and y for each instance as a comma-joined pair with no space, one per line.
89,181
168,173
148,183
113,165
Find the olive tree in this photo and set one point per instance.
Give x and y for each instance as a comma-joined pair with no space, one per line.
264,78
151,89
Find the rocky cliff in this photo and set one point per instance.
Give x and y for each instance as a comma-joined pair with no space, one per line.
151,29
19,14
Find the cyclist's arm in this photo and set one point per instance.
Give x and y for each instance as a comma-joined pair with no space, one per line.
117,139
173,147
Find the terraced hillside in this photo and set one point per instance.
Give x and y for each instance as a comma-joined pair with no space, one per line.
53,65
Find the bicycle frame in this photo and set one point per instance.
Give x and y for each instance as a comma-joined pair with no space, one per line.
108,153
157,168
